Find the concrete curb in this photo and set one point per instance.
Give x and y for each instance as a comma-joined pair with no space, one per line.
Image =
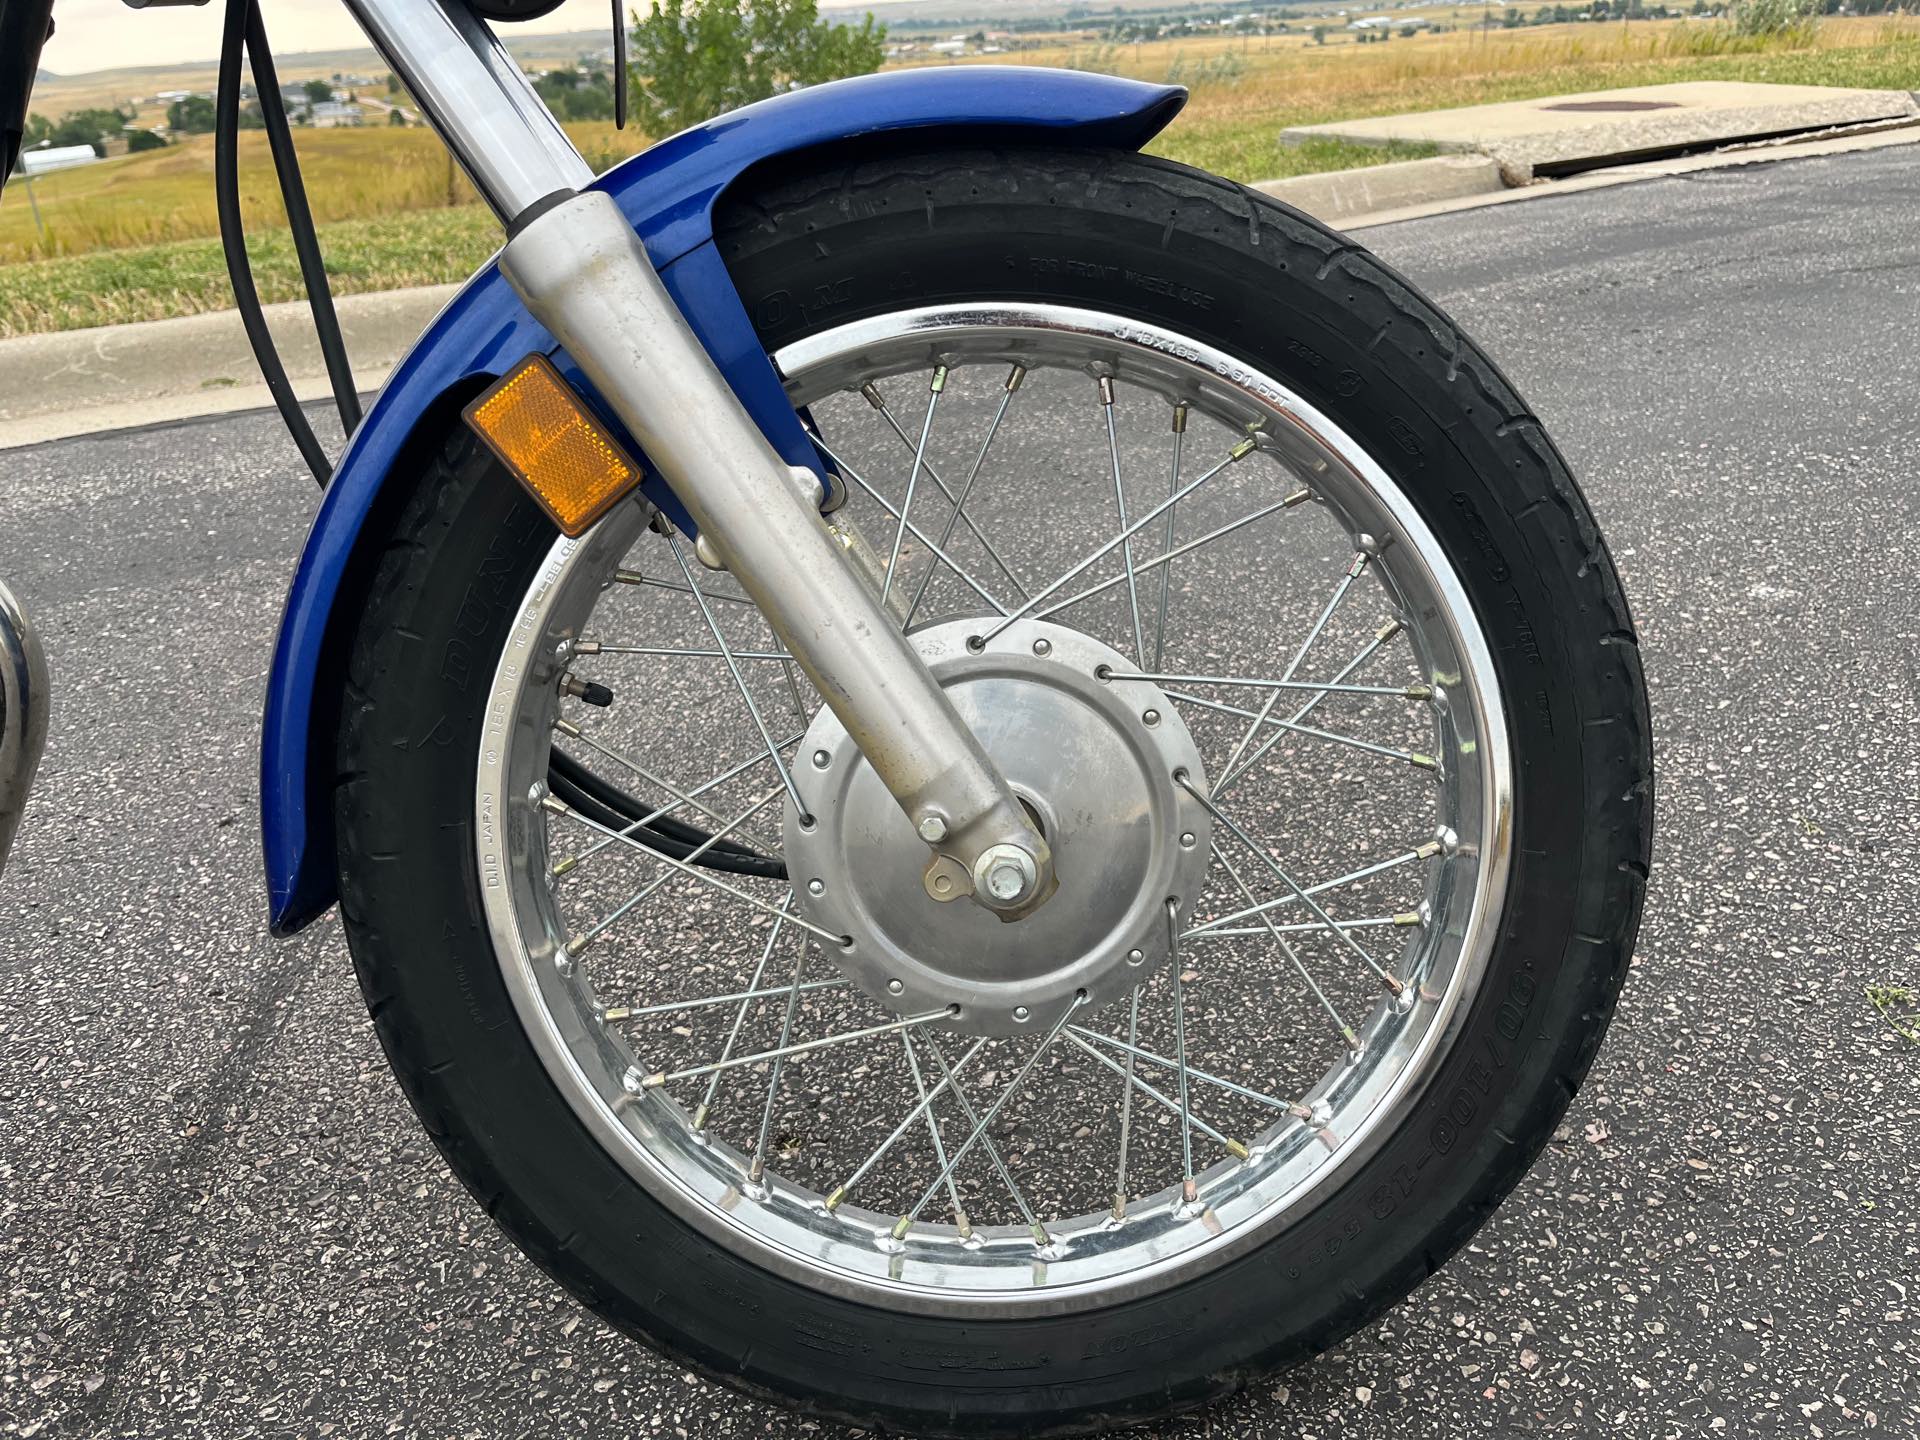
76,382
1341,194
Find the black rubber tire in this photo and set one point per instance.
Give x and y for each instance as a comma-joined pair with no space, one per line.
1157,241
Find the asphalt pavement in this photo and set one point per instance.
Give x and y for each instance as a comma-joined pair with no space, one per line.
218,1217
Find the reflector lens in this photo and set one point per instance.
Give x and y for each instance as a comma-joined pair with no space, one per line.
566,460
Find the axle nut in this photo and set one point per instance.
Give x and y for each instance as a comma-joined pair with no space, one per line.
1006,873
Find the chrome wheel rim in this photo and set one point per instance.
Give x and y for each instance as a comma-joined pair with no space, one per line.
682,1083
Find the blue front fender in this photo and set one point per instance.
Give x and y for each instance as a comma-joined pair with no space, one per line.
668,194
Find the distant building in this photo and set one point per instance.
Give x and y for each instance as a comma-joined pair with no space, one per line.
336,114
56,157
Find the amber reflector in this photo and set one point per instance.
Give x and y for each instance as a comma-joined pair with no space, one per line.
544,435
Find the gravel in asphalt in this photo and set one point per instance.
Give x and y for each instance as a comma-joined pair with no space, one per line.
218,1217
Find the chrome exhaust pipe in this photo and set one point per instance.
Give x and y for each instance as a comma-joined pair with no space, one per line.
23,715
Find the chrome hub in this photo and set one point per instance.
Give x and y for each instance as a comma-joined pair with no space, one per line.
1094,763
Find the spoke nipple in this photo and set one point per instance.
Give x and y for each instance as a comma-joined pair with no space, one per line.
1016,377
554,805
1392,986
833,1200
1245,448
939,379
1301,1112
870,392
1180,418
1352,1039
654,1081
575,944
1106,390
1360,561
1419,692
561,867
1237,1150
900,1226
961,1223
1406,918
567,728
629,577
700,1117
1428,850
1387,631
1040,1236
1422,762
586,647
1119,1206
1189,1191
756,1171
618,1012
1298,497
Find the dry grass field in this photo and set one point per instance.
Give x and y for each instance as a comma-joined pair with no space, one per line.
131,238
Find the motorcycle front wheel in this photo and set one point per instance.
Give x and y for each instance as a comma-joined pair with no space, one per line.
1285,619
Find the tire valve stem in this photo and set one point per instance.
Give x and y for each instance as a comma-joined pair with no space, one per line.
587,690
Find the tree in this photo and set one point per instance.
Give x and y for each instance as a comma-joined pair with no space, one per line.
192,116
394,117
138,140
694,59
318,91
1319,34
576,95
86,127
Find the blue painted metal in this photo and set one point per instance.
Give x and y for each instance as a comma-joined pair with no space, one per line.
668,193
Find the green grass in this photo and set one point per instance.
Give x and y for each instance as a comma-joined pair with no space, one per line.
389,224
186,277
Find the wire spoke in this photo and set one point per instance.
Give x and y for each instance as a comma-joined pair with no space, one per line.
1366,652
1239,452
561,867
1126,1104
636,577
926,1017
1410,757
1180,1046
1018,374
1186,547
1258,682
960,1221
1405,919
705,877
872,395
1421,852
925,1107
1226,1142
1120,503
680,652
938,552
1393,985
993,1151
720,639
584,938
1340,590
1134,1051
1346,1031
913,479
1166,541
905,1222
707,1002
574,732
746,999
758,1166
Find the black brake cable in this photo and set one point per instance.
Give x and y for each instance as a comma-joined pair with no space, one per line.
607,804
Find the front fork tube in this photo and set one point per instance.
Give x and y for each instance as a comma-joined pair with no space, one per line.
583,274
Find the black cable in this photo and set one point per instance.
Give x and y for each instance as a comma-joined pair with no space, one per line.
590,795
226,192
306,244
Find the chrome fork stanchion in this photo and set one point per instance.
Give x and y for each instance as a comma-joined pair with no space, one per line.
582,272
23,715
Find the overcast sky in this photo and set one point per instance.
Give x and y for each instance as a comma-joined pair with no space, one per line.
105,34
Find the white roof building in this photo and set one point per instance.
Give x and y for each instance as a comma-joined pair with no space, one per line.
56,157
